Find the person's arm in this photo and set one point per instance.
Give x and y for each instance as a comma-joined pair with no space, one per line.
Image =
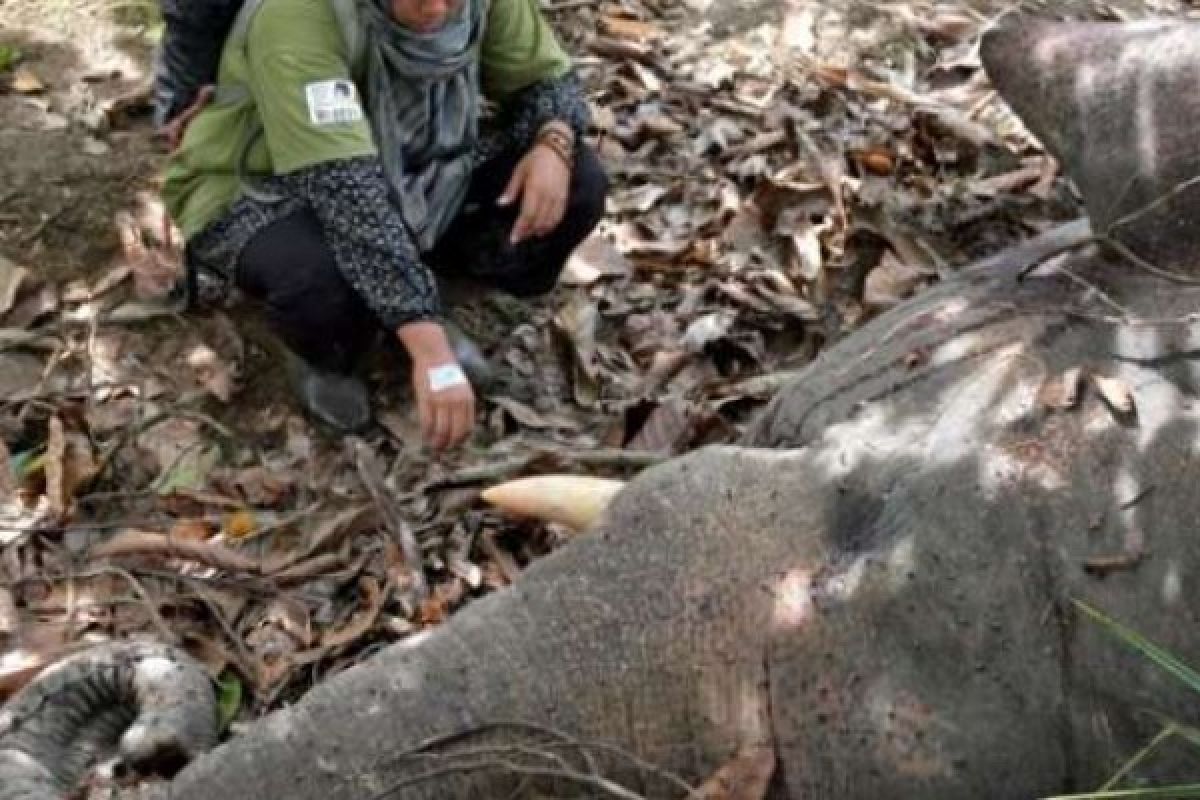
321,148
370,243
525,113
194,33
542,112
380,260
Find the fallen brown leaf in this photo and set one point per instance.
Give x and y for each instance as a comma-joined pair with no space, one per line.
745,777
192,530
667,429
1116,393
17,668
12,277
442,601
625,28
8,481
25,81
141,543
56,451
1061,392
596,258
211,372
891,282
363,620
875,160
10,620
534,420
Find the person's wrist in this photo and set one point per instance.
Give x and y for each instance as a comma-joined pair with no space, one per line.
559,150
426,343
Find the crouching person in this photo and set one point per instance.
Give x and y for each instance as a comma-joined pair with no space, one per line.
345,160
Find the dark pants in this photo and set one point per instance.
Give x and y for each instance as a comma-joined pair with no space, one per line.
291,270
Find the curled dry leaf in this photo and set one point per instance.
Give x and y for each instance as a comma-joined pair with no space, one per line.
292,616
360,623
571,500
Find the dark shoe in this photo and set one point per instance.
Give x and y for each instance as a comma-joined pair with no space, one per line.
469,356
340,401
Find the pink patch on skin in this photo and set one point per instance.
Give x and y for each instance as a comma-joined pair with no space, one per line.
793,600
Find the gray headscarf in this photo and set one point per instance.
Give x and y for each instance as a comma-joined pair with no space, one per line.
422,95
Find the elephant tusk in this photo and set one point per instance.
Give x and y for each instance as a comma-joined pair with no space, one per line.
572,500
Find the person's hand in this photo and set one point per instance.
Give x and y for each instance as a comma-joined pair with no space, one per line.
445,399
541,180
173,131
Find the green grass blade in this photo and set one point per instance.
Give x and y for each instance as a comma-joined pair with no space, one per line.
1188,733
1141,644
1165,734
1160,793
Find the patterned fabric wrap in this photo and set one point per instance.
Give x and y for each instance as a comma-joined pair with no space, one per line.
422,95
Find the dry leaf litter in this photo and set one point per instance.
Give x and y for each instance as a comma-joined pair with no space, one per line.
776,184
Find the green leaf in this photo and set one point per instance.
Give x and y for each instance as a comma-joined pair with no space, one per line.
190,471
25,464
1169,730
1169,663
9,56
229,699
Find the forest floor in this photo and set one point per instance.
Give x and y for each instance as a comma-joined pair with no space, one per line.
782,172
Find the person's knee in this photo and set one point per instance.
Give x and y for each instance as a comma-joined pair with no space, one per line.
585,207
291,269
589,189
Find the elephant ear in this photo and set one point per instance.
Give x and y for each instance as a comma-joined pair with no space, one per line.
1117,104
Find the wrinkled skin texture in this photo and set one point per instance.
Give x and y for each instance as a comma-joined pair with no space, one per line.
878,582
151,704
888,596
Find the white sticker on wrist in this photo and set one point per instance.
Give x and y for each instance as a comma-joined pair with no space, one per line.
445,377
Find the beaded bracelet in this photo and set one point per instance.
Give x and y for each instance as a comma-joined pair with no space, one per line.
560,139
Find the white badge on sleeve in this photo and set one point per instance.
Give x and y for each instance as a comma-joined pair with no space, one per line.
446,377
332,102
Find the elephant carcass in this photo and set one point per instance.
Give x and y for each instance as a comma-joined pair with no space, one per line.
878,582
